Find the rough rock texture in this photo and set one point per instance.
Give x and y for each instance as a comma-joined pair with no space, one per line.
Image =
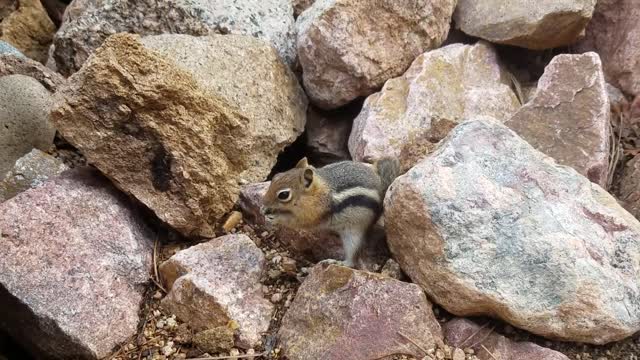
630,187
216,282
248,74
441,88
88,23
314,246
614,33
536,25
568,116
149,127
8,49
216,340
30,171
487,225
24,104
349,48
339,313
28,28
301,5
11,65
73,263
327,137
465,333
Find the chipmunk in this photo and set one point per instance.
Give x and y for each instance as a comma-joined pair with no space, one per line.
344,197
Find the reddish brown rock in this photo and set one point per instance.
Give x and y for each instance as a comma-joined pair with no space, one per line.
216,282
568,117
11,65
299,6
339,313
27,27
488,345
328,136
149,126
614,33
73,264
349,48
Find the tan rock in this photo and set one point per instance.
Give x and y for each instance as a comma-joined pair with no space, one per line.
614,33
28,28
30,171
12,65
488,345
488,225
349,48
568,116
339,313
149,127
214,283
74,262
249,74
442,88
214,340
24,124
536,25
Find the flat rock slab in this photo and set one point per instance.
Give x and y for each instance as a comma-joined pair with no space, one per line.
568,116
30,171
214,283
74,259
536,25
613,33
442,88
488,225
340,313
88,23
349,48
488,345
147,125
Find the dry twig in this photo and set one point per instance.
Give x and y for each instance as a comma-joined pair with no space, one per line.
413,342
156,277
489,352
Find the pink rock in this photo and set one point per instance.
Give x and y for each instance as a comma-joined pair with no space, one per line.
340,313
463,333
73,262
614,33
327,136
216,282
568,116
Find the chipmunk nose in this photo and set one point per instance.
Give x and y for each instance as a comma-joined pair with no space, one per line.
266,210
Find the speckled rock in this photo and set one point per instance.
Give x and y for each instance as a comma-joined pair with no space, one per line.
339,313
535,25
488,345
88,23
24,105
249,75
28,28
216,340
30,171
629,192
328,136
216,282
149,126
12,65
488,225
568,116
340,61
74,263
441,88
8,49
614,33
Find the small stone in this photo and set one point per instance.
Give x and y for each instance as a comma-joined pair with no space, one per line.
274,274
276,298
289,265
216,340
157,295
458,354
276,259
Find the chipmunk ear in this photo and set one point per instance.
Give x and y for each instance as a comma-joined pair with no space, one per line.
303,163
307,177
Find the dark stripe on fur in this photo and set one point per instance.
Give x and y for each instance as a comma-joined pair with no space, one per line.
357,201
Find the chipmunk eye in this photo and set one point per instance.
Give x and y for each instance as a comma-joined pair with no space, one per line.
284,195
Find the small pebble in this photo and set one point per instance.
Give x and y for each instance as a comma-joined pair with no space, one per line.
458,354
276,259
276,298
289,265
274,274
157,295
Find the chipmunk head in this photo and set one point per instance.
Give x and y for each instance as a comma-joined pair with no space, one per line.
291,199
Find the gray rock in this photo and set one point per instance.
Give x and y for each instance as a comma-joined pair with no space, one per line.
213,283
340,313
73,264
488,225
568,116
24,124
328,136
536,25
30,171
249,75
12,65
349,48
8,49
88,23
